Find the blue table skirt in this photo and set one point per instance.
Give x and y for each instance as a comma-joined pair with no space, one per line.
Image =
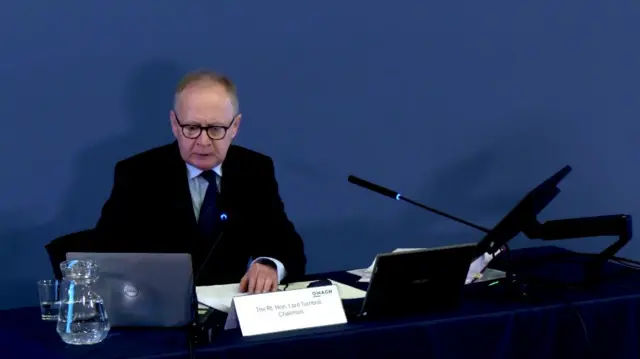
601,322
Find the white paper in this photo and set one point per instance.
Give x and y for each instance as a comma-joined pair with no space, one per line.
220,297
288,310
349,292
365,279
362,273
478,266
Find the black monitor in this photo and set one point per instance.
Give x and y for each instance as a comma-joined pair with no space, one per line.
523,214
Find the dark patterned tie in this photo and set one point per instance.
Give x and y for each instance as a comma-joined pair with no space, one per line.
208,211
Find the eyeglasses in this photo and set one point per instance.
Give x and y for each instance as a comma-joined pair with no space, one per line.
194,131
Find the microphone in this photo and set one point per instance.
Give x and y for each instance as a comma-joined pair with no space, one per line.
223,219
196,331
397,196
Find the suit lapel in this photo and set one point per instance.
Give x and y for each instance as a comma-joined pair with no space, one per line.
181,194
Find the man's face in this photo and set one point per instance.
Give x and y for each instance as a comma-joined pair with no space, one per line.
201,106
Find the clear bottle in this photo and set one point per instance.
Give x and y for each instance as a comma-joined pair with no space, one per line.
82,319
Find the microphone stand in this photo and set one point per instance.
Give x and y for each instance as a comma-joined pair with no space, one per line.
201,332
193,332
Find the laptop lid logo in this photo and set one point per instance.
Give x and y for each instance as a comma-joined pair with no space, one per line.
131,291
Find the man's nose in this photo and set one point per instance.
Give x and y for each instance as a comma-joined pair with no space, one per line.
203,139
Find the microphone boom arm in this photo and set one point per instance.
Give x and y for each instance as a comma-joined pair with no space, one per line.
440,213
398,197
619,225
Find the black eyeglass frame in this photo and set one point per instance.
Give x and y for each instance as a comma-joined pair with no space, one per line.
206,129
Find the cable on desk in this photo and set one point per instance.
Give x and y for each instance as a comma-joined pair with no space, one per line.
627,260
508,251
509,269
190,338
585,331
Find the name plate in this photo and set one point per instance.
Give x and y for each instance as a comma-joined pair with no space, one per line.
276,312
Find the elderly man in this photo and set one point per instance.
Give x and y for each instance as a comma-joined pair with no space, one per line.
204,196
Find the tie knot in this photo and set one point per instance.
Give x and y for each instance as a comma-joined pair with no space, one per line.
209,175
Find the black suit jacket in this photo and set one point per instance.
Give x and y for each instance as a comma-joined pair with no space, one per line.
150,210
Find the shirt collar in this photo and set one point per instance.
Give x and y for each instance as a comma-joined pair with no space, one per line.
195,171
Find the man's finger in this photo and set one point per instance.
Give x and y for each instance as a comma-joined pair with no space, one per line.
268,285
243,283
252,282
260,283
274,286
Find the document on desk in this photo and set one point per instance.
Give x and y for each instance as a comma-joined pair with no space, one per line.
475,269
220,296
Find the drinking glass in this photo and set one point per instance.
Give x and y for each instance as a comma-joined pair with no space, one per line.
48,290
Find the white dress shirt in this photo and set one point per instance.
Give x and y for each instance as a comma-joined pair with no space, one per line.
198,188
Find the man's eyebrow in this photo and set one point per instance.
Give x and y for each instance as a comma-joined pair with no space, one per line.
215,124
218,124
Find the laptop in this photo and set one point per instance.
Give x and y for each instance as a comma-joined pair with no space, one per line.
413,282
144,289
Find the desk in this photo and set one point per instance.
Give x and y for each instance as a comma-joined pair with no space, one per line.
562,324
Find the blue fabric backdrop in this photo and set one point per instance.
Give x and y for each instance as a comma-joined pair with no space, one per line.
461,104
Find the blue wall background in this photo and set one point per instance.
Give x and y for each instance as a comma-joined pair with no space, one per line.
464,105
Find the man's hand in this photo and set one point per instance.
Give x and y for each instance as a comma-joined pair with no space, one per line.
260,278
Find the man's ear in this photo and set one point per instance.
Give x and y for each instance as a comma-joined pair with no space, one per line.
174,124
236,124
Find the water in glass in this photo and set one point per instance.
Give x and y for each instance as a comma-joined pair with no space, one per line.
49,310
82,319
